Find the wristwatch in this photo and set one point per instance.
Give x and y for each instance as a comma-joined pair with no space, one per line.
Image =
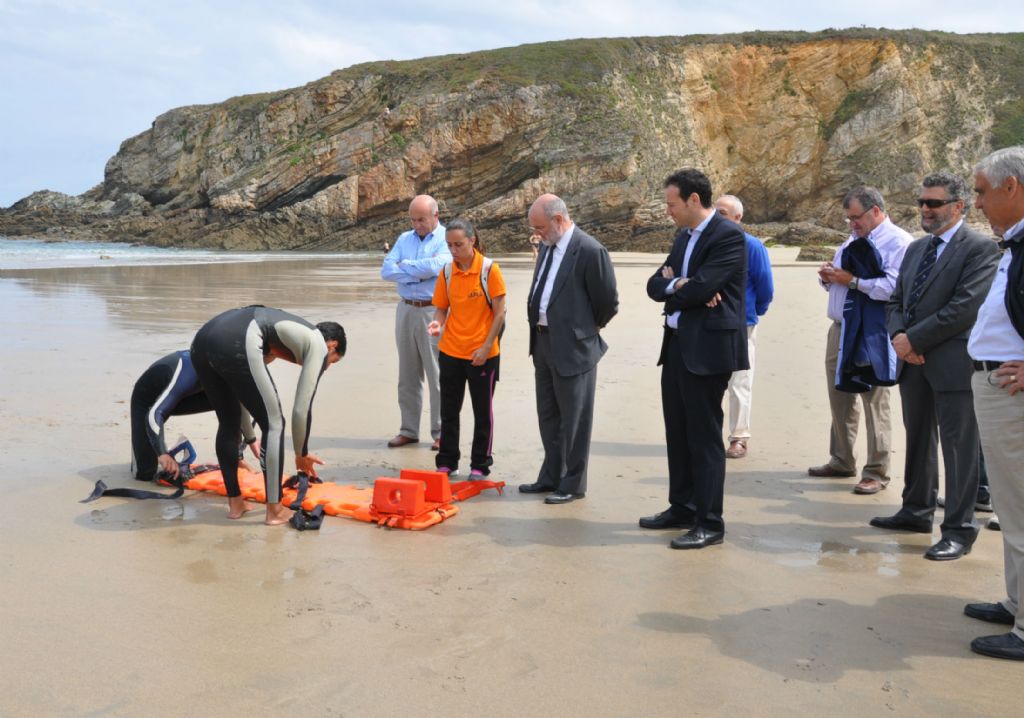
854,283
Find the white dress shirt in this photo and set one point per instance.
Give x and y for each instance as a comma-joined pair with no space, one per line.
994,337
673,319
556,261
891,243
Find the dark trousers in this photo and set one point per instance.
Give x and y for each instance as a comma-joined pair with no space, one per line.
930,416
565,417
455,375
148,390
692,406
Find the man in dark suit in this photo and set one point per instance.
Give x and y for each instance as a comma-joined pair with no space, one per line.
942,282
572,296
703,287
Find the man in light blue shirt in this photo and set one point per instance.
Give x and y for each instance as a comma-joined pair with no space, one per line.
413,264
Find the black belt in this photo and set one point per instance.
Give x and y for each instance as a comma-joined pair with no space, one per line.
541,328
417,303
987,365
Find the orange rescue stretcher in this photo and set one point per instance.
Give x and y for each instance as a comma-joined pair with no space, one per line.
416,500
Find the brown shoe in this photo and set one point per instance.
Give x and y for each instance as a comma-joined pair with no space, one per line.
401,440
737,449
827,471
868,486
436,446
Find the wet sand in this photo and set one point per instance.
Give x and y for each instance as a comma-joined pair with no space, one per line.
511,608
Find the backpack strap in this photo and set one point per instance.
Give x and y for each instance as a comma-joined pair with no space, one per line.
447,271
485,273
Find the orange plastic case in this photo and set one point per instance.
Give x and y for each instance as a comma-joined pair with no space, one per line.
416,500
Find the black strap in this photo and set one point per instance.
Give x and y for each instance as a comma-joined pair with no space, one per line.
101,490
303,520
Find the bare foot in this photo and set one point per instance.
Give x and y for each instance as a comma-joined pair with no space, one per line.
277,514
238,507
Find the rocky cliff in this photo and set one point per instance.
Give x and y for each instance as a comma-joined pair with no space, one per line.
786,121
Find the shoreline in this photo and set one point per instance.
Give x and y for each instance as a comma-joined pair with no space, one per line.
505,605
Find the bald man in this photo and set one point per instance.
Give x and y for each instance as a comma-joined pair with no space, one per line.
413,264
572,297
760,290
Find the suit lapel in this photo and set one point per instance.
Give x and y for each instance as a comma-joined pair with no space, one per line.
703,242
567,265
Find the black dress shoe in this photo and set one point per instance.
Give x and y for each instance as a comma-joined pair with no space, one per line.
535,488
561,497
947,549
666,520
902,523
697,537
1006,645
991,612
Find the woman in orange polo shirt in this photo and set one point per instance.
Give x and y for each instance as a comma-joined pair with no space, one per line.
470,301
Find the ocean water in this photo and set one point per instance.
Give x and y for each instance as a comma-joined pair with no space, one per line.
40,254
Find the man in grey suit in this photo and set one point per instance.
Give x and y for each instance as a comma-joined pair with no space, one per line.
572,296
942,282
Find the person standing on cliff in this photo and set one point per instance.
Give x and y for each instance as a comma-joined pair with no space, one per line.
760,290
413,264
865,213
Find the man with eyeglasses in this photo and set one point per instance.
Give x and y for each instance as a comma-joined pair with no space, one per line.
996,346
942,282
887,243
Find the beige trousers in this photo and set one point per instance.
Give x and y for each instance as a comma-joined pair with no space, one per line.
846,417
741,394
1001,423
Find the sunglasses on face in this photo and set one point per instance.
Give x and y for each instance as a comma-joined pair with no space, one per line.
934,203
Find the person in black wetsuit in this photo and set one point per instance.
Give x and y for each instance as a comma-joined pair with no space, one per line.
169,387
230,353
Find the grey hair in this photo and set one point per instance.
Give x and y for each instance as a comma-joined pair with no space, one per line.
1003,164
555,206
954,184
867,197
735,201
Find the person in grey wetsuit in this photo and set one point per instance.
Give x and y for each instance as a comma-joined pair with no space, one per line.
169,387
230,354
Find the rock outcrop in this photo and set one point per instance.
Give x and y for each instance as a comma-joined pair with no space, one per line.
786,121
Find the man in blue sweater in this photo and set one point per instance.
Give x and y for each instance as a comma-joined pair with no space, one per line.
760,290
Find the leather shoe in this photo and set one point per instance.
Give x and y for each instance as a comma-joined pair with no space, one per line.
561,497
666,520
697,537
947,549
737,449
902,523
827,471
1006,645
868,486
991,612
535,488
436,446
401,440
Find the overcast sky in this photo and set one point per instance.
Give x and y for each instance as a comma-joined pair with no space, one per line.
79,76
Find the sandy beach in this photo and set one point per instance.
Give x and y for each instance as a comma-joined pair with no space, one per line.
511,608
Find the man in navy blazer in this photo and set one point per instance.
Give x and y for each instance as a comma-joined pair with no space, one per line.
702,284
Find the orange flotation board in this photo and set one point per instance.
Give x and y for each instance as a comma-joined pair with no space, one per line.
415,500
